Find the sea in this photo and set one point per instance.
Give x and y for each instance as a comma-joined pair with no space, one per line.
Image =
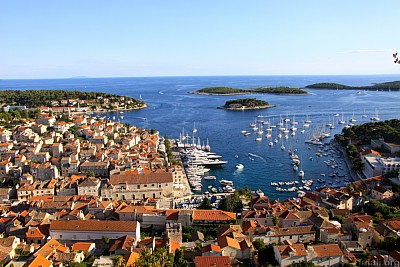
172,109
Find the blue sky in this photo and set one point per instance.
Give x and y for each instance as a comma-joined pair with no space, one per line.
57,39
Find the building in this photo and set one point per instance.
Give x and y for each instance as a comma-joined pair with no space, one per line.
325,255
127,186
92,229
290,253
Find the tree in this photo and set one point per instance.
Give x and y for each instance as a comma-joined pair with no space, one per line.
275,220
258,243
302,264
179,260
205,204
118,261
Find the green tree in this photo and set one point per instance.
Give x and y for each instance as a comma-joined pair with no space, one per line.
179,260
275,220
118,261
205,204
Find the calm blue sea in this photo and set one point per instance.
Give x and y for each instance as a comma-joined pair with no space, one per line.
171,109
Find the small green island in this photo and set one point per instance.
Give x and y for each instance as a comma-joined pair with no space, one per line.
281,90
386,86
246,104
89,101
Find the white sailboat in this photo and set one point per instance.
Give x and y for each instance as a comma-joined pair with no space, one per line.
352,119
308,120
376,116
342,121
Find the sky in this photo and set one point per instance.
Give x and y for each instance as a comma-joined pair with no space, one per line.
132,38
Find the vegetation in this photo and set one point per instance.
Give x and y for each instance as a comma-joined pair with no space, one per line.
359,135
37,98
159,258
209,231
381,211
179,260
233,203
278,90
390,243
265,253
302,264
259,90
205,204
221,91
394,86
248,103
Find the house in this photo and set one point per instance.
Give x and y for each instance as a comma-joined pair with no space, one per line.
123,245
381,193
89,187
385,229
271,234
233,242
8,246
5,195
127,186
92,229
211,250
394,258
213,261
362,228
290,253
100,169
40,261
84,246
325,255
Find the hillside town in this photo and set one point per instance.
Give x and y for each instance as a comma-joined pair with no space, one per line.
83,191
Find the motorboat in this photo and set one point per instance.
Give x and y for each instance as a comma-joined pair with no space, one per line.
226,182
239,166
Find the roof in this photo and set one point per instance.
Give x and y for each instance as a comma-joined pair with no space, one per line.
395,254
48,249
92,225
84,246
124,242
131,258
226,241
299,230
40,261
145,178
328,250
298,249
213,215
211,247
212,261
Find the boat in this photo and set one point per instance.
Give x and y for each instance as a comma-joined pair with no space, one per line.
301,193
308,121
375,117
210,177
239,166
301,173
271,144
226,182
342,121
336,115
214,190
258,139
352,119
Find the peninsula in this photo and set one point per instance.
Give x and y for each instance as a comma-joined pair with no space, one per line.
282,90
245,104
69,100
386,86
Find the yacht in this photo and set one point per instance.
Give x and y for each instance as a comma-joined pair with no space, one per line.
239,166
226,182
301,173
271,144
342,120
352,119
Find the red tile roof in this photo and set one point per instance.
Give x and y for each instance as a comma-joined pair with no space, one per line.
212,261
92,225
213,215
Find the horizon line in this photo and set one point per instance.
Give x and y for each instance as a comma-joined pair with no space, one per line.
177,76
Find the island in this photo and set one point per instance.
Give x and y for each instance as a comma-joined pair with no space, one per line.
386,86
75,101
281,90
245,104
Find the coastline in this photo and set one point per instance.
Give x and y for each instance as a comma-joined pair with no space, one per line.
108,111
246,108
245,93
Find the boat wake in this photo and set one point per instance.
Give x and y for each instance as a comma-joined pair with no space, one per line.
257,156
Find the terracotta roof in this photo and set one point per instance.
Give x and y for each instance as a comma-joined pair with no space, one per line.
92,225
298,249
131,258
211,247
395,254
84,246
164,177
226,241
299,230
40,261
213,215
212,261
124,243
328,250
48,249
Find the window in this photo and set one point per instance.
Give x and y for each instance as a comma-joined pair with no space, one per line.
138,187
60,236
145,185
152,185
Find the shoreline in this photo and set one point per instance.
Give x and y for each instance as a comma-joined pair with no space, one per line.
245,108
244,93
108,111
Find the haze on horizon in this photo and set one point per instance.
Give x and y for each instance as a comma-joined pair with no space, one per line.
62,39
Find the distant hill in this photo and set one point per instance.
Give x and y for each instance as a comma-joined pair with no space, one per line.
386,86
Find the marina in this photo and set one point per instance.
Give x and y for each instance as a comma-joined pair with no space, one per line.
175,109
